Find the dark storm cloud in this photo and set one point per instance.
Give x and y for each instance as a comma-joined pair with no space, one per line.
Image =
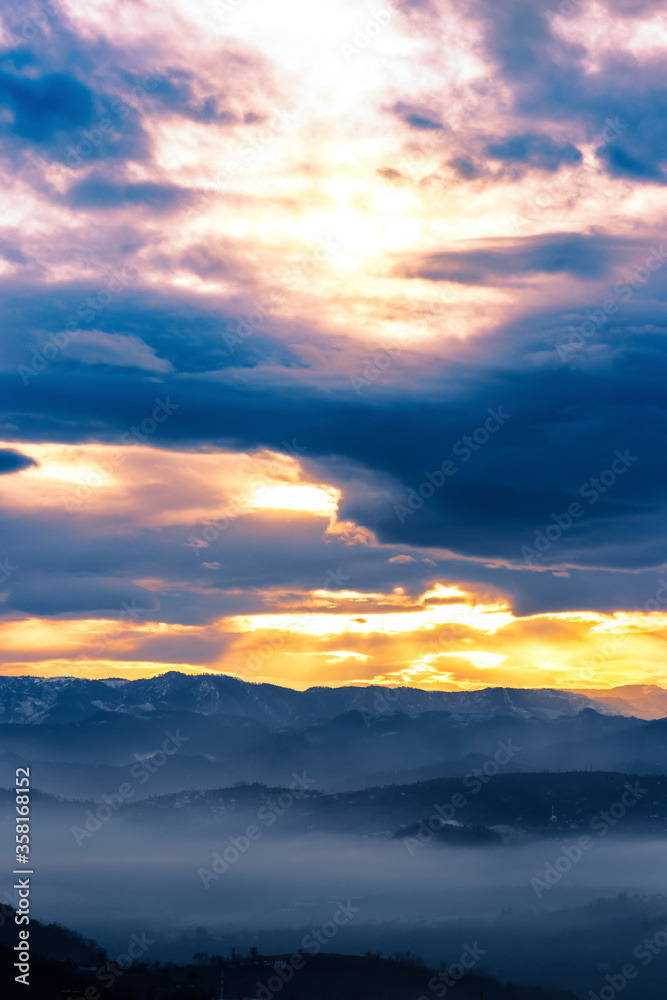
624,162
41,107
507,491
99,111
65,593
465,168
568,416
607,395
376,448
195,334
557,253
89,565
97,191
14,461
177,94
551,83
50,111
540,151
416,118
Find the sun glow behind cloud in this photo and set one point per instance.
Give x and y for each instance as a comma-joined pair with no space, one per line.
486,619
446,636
291,496
465,644
362,185
95,477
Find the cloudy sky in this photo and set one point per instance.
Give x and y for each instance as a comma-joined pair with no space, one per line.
332,340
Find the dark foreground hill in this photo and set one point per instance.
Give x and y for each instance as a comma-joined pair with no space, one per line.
84,972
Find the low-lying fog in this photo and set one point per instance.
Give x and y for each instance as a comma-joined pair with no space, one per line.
432,900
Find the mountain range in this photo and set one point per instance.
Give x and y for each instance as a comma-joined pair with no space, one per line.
61,700
176,732
646,701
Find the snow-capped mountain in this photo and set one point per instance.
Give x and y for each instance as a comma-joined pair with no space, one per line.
35,700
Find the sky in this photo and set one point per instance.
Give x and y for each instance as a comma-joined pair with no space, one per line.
332,341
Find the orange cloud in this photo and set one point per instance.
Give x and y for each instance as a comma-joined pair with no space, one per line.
449,638
151,487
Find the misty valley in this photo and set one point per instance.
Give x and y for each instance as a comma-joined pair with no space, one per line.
273,825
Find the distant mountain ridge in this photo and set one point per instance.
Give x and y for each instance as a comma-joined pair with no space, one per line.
350,750
89,736
65,700
646,701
